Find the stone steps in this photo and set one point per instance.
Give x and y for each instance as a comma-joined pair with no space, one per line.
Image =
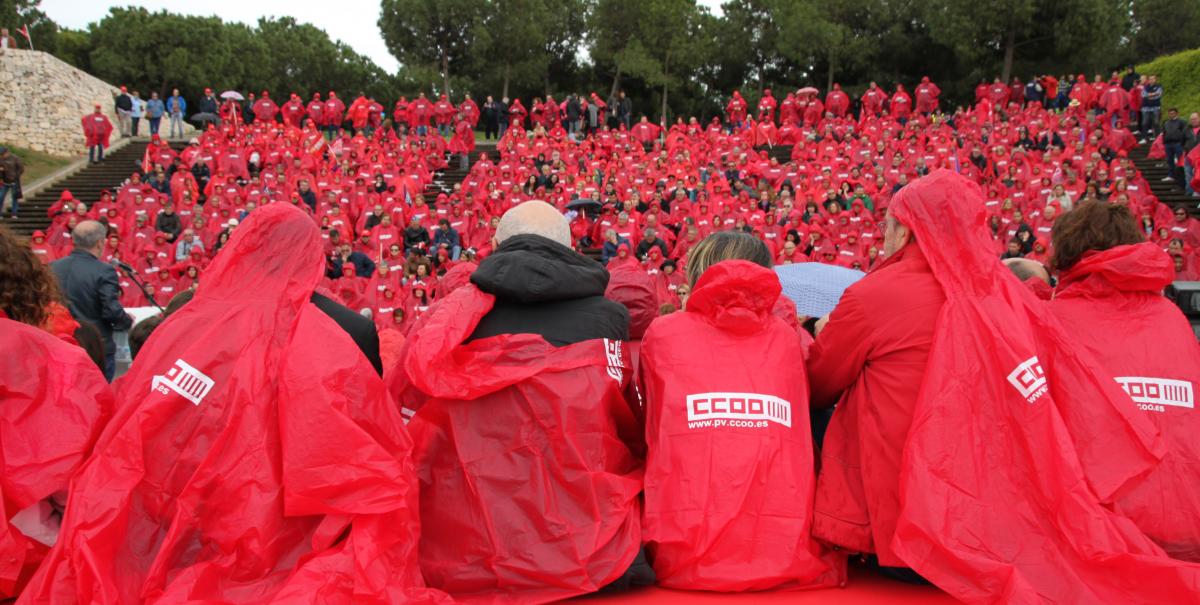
1166,191
85,185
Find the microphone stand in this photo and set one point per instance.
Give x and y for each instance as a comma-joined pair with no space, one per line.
142,286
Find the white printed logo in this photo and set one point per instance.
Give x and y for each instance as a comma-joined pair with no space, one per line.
1029,379
741,410
407,414
185,380
612,350
1151,394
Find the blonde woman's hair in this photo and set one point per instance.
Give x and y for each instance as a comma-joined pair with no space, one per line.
725,245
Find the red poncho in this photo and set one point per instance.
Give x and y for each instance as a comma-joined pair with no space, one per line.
55,403
96,129
728,376
1003,484
529,488
255,456
1112,303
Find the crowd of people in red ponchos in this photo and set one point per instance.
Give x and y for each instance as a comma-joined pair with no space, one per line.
805,174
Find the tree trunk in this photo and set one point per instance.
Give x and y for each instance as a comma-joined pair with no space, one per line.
666,80
507,74
829,74
445,74
761,82
616,82
1009,48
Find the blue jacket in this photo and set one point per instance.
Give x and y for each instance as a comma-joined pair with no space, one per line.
177,102
609,249
155,108
447,236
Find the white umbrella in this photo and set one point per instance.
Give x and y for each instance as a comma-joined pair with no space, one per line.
233,94
816,288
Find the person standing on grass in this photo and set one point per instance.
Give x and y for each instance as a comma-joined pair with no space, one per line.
11,169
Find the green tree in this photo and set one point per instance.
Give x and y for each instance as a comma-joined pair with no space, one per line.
431,35
1087,30
1162,27
653,40
74,46
15,14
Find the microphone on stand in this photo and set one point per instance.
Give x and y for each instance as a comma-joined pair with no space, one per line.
141,286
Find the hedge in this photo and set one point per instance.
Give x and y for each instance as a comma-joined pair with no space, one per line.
1179,75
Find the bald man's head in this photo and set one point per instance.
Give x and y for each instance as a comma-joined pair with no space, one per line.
88,235
534,217
1026,269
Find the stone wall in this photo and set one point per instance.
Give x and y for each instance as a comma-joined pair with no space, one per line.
42,100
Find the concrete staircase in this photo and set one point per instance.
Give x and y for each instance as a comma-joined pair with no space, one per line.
85,185
1166,191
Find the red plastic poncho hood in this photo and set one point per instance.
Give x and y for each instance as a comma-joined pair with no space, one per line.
255,456
741,520
1138,267
634,288
1001,486
736,300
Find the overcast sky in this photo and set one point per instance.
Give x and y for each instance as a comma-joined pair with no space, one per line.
351,21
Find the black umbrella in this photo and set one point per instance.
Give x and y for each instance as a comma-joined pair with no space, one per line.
583,203
204,117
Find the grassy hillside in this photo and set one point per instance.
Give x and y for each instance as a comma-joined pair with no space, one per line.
37,164
1180,76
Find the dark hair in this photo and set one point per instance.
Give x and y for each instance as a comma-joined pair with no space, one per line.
725,245
26,286
179,300
141,333
1092,225
91,342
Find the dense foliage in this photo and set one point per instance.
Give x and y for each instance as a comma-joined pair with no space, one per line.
671,56
1180,77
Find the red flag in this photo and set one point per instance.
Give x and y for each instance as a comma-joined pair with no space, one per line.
24,31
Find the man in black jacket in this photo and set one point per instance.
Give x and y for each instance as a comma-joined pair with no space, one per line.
416,237
124,106
502,117
91,288
491,121
1175,132
650,240
544,287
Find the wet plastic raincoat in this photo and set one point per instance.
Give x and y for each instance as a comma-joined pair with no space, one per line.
54,404
727,376
1111,302
1004,485
254,457
529,483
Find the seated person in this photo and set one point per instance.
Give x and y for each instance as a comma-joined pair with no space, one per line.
213,481
726,375
524,440
1109,299
869,358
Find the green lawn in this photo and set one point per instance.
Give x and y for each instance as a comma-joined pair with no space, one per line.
37,164
1178,75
